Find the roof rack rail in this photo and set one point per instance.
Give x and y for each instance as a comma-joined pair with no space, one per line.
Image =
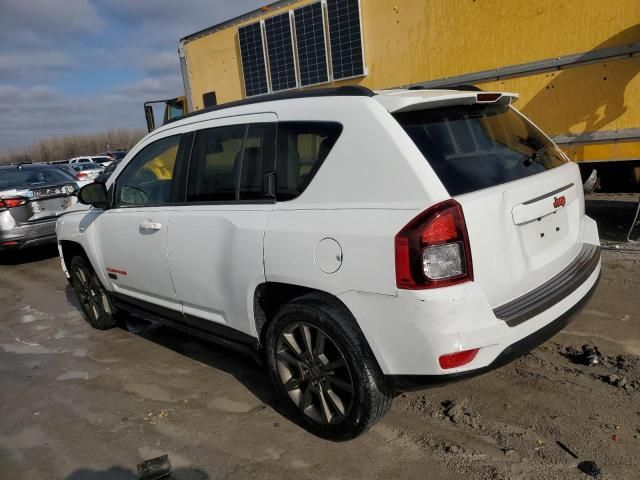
344,91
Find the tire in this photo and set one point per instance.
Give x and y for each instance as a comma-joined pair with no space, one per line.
338,392
92,296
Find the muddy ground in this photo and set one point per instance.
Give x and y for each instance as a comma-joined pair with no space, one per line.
79,404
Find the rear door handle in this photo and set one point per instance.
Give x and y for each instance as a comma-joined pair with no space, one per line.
150,225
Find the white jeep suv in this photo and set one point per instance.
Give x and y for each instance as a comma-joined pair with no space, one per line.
365,243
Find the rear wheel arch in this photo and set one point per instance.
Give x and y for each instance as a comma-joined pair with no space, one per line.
269,297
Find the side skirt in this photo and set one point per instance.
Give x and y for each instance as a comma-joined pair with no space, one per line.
198,327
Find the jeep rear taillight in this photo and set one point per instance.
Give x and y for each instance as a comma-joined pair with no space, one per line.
432,250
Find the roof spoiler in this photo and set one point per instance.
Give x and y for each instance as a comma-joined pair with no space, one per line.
424,101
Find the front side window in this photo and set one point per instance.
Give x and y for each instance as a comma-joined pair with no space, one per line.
300,150
148,178
229,163
473,147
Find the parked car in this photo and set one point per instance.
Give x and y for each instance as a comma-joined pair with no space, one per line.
103,160
31,199
87,171
79,176
104,176
115,154
365,243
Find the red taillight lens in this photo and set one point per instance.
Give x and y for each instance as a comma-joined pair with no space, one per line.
80,175
432,250
458,359
12,202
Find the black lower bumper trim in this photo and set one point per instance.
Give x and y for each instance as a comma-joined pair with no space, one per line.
552,291
406,383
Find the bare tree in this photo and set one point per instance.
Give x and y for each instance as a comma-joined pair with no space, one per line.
63,148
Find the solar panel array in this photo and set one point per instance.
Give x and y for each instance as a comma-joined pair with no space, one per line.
253,62
282,66
309,47
312,49
346,40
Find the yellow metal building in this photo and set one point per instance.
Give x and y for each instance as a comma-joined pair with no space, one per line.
575,63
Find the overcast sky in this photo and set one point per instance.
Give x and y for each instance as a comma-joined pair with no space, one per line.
81,66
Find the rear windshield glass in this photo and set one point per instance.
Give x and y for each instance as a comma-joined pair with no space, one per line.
479,146
33,177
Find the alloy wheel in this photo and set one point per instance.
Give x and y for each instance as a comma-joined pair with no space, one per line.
90,294
314,372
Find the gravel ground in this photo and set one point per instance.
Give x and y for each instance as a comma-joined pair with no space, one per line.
79,404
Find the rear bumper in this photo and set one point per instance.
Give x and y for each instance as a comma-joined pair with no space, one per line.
408,332
405,383
28,235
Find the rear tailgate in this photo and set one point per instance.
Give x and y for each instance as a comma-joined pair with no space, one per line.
524,232
522,199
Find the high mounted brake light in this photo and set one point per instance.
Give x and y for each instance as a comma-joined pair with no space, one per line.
12,202
488,97
433,250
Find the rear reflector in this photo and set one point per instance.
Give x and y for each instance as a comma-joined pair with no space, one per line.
9,244
458,359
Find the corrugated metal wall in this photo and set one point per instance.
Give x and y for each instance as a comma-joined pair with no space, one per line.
412,41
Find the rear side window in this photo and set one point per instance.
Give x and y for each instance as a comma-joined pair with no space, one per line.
229,163
301,148
479,146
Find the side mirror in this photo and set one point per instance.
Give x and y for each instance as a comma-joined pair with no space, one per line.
94,194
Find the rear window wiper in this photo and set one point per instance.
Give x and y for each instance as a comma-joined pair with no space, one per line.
534,156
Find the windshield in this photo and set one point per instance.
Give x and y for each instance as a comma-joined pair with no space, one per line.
32,177
479,146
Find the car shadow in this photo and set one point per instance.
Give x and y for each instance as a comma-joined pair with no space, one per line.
249,370
28,255
613,217
121,473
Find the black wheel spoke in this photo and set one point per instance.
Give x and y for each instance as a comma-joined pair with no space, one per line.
331,366
306,399
320,341
288,358
292,384
341,384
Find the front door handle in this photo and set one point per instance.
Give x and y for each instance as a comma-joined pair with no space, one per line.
149,225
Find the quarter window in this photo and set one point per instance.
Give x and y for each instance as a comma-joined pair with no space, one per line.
148,179
301,149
